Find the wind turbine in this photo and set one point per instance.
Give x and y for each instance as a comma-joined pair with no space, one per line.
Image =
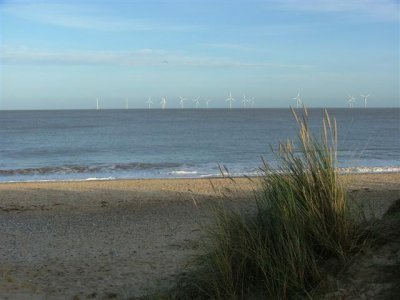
245,101
365,99
230,99
251,102
298,100
149,102
197,102
208,101
163,102
126,103
351,100
97,103
182,100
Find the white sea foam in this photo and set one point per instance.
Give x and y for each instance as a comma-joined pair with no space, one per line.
62,180
181,172
361,169
205,174
98,178
350,170
211,175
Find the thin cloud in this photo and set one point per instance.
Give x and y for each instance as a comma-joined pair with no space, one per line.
86,18
143,57
382,10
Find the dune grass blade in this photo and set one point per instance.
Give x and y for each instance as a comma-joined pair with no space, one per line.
301,220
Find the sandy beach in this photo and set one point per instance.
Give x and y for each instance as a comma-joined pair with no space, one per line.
122,238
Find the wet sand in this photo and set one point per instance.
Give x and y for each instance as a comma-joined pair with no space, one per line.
119,239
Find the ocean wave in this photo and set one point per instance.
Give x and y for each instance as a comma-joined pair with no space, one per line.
149,170
99,178
356,170
348,170
64,180
77,169
182,172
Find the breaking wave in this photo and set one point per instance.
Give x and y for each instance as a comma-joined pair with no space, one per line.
356,170
150,170
76,169
181,172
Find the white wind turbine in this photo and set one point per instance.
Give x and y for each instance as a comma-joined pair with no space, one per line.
351,100
126,103
251,102
163,102
245,101
365,99
230,99
182,101
149,102
197,102
298,100
207,102
97,103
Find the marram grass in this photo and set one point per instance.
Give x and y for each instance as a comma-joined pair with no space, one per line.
301,220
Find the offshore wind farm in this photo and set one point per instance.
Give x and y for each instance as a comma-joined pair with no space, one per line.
246,102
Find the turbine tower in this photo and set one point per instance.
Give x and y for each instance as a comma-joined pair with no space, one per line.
149,102
351,100
97,103
163,102
182,100
298,100
365,99
207,102
230,99
197,102
245,101
126,103
251,102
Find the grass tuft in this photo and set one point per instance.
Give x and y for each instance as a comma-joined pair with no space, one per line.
302,219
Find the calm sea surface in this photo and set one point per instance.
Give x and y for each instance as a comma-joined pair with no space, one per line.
108,144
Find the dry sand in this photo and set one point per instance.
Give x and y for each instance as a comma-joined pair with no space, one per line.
119,239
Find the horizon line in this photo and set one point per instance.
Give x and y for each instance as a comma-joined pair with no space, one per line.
205,108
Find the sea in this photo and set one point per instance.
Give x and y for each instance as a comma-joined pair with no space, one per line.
153,143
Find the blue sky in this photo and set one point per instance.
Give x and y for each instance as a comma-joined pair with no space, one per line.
64,54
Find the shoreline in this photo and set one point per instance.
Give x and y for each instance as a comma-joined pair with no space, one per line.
380,176
27,195
205,177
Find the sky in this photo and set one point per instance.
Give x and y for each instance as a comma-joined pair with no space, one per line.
64,54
